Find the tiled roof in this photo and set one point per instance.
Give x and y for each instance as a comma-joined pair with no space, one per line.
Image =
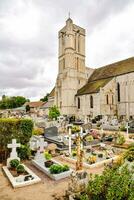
93,87
35,104
101,76
114,69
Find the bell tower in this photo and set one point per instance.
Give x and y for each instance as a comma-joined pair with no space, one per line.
71,71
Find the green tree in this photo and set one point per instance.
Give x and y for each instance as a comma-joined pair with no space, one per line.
45,98
27,108
12,102
54,112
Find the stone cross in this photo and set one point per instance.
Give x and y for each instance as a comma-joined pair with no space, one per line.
41,144
70,141
127,127
13,146
13,154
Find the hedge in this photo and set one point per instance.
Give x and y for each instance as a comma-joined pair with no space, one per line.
11,128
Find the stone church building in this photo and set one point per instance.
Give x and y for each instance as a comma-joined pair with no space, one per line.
85,92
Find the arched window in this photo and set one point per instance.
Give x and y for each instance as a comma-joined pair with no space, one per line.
78,103
107,100
91,102
118,92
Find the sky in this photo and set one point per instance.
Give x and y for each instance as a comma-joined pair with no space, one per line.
29,39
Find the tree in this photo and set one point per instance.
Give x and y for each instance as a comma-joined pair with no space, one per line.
54,112
27,108
12,102
45,99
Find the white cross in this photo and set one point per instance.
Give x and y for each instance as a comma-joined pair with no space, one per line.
41,145
70,133
13,146
127,127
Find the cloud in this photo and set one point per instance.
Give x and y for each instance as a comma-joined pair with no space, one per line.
29,39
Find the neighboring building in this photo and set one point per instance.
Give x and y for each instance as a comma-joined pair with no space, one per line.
36,106
86,92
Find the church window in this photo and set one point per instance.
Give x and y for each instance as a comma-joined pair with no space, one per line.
112,99
77,63
79,43
60,104
91,102
78,103
107,99
63,63
118,92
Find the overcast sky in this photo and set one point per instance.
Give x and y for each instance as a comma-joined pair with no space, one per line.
29,43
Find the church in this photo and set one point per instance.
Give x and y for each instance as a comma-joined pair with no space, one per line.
85,92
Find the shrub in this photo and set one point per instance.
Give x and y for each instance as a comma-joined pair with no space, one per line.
10,128
56,169
120,139
47,156
129,154
65,168
24,152
20,169
54,112
113,184
38,131
14,163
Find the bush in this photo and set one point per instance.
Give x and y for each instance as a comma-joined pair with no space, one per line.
120,139
20,129
20,169
47,156
14,163
38,131
65,168
129,154
113,184
57,169
54,112
24,152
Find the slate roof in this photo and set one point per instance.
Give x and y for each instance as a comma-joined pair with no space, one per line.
101,76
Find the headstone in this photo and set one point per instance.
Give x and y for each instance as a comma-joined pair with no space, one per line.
70,141
51,131
40,152
13,154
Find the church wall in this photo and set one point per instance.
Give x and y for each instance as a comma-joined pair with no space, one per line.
126,104
85,108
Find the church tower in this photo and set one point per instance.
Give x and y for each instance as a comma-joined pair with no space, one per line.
72,70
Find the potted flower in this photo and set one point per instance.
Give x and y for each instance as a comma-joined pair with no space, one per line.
92,159
48,161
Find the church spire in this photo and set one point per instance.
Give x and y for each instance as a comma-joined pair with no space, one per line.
69,20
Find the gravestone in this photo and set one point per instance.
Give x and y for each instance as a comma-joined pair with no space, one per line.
13,154
51,131
40,152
